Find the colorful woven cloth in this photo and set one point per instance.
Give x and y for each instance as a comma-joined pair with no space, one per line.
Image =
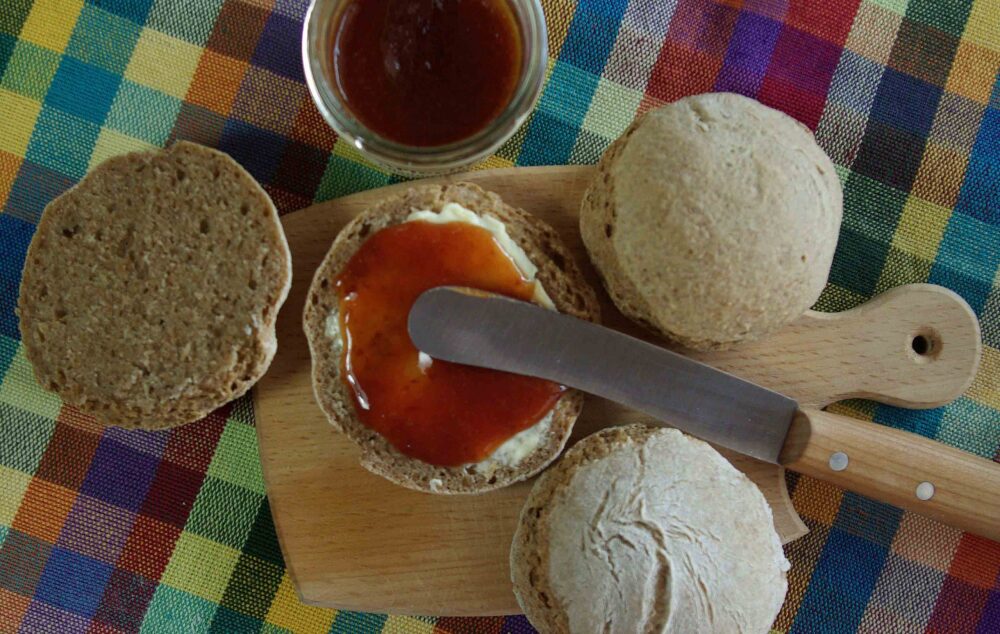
125,531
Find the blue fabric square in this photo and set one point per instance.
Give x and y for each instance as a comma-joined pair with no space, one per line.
841,584
749,53
83,90
135,10
906,102
867,518
278,49
850,85
980,194
15,235
549,141
119,474
257,150
73,582
972,289
62,142
970,245
227,621
592,34
34,187
103,39
143,112
918,421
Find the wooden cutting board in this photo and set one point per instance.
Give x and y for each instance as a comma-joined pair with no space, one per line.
354,541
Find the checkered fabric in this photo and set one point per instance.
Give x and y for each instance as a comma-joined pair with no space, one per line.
125,531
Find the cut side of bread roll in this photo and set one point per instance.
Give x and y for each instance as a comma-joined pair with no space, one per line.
151,288
641,529
557,275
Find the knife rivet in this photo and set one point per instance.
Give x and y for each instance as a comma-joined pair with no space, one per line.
838,461
925,491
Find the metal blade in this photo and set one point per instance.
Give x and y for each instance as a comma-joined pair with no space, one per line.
514,336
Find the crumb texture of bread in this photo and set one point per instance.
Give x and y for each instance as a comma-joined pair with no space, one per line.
640,529
557,273
713,220
151,288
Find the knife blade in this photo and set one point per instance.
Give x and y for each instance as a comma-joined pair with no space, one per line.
497,332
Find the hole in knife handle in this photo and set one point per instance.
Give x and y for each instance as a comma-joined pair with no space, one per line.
925,345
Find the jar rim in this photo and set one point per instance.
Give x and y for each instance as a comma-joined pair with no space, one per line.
418,160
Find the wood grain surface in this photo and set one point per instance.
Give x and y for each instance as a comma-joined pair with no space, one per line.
354,541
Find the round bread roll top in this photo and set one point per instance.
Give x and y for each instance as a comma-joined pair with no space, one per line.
714,220
641,529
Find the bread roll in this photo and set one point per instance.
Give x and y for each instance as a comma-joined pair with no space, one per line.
559,276
713,220
151,288
639,530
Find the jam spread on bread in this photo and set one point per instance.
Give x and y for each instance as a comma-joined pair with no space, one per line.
430,72
438,412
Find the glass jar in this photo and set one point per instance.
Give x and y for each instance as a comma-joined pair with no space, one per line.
318,40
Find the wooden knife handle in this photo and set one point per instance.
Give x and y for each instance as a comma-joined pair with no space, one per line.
898,467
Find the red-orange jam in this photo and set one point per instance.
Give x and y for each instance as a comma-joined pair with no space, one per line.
445,414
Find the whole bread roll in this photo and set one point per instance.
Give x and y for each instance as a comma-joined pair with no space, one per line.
713,220
151,289
640,530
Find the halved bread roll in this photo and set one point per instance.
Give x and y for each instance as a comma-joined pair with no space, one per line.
558,275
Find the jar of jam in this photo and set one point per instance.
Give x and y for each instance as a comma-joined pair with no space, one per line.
425,86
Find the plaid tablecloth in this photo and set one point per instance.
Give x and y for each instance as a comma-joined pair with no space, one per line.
115,531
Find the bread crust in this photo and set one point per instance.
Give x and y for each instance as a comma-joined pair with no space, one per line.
151,289
559,276
713,220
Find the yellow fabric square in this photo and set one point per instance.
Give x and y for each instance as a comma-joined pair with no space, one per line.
200,566
163,62
51,22
345,149
612,109
111,143
13,484
20,389
973,71
921,227
494,162
19,114
983,26
985,388
289,612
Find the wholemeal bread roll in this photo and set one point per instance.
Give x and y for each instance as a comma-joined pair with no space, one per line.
557,273
713,220
641,530
151,288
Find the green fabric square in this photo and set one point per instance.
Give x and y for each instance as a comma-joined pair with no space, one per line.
263,539
8,350
358,622
223,512
949,16
902,268
269,628
7,44
143,112
20,389
966,424
25,437
13,15
30,70
857,264
185,20
253,586
201,567
103,39
172,610
872,208
344,176
236,458
228,622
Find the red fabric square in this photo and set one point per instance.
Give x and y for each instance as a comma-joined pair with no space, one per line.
67,456
805,106
680,71
976,561
193,445
171,495
828,19
149,547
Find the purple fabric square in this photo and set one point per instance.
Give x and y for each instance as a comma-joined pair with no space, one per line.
73,582
517,625
989,618
96,529
42,617
125,601
34,187
119,474
749,53
278,49
804,60
150,442
295,9
771,8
